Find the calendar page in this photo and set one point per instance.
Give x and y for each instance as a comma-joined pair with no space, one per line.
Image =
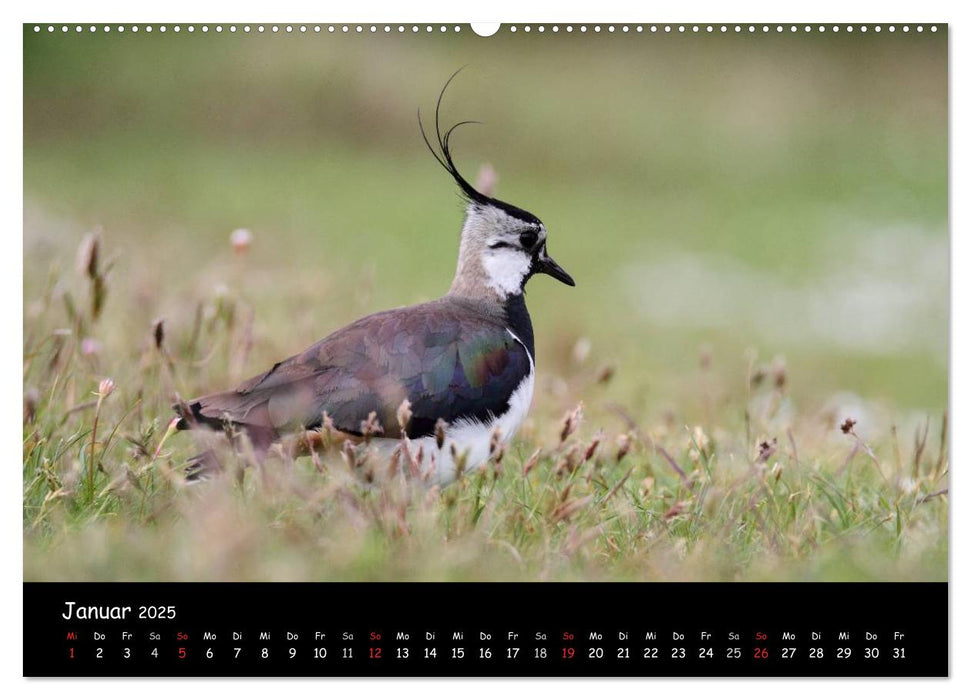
636,335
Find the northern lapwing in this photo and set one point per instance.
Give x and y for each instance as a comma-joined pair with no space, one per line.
465,363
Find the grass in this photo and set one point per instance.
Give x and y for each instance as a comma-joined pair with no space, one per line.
747,494
758,231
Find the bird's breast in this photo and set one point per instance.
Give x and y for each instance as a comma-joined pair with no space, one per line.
470,441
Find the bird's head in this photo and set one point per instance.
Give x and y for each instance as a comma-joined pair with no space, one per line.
502,245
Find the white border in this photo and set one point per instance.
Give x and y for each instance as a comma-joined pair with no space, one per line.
829,11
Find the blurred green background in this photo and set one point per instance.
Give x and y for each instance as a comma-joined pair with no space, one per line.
713,195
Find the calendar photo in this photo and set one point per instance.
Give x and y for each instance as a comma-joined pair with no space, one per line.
484,311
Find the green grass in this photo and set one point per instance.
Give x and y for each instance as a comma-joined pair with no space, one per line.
686,501
730,208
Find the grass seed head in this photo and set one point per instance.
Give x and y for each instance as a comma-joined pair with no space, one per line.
349,454
701,438
675,510
571,420
371,427
326,431
404,415
413,461
623,445
847,426
89,264
99,291
440,427
647,485
758,376
779,372
565,510
394,462
88,255
31,399
158,332
592,447
533,460
495,440
568,462
460,459
605,374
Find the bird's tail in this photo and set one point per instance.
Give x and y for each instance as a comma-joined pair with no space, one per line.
203,467
231,413
191,415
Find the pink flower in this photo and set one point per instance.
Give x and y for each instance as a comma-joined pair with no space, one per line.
105,388
90,347
241,239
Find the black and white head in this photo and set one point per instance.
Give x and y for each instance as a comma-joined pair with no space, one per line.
502,245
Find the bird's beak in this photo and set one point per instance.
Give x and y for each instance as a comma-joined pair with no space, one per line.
548,266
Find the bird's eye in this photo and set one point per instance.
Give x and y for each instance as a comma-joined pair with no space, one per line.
528,239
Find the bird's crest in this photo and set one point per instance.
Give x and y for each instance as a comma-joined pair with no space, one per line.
443,154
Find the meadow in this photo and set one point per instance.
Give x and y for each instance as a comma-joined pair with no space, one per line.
749,381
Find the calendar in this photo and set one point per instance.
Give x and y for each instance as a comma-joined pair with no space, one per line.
650,630
524,349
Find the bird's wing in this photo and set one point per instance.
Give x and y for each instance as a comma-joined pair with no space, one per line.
446,363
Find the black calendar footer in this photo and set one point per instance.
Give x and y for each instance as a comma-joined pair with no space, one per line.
486,629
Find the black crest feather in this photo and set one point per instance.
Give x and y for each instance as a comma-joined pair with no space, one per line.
443,154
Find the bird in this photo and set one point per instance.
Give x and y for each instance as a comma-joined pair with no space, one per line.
455,376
